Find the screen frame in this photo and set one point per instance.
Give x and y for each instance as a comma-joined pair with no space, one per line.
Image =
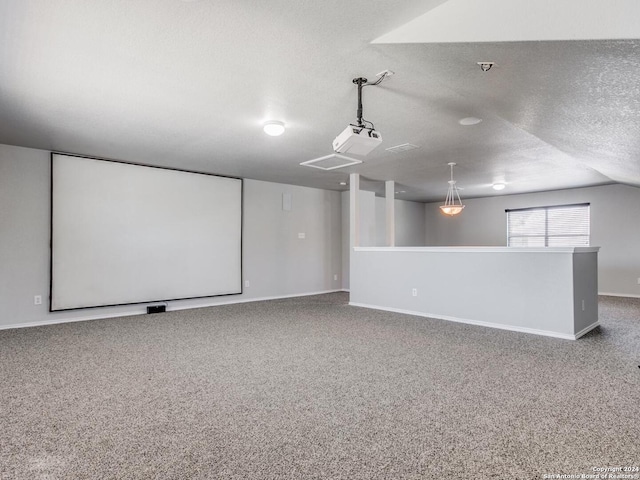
160,300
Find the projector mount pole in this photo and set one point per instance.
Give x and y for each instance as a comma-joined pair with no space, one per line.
363,82
360,82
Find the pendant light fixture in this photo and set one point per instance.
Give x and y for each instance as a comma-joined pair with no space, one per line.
451,207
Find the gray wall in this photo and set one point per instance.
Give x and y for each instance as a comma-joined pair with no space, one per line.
615,227
275,261
409,220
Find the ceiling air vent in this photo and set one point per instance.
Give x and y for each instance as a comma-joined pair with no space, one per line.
405,147
331,162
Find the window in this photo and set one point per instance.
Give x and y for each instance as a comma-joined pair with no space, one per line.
555,226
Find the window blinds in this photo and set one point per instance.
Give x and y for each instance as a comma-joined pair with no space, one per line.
554,226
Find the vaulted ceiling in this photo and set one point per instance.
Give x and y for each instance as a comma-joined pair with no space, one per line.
188,84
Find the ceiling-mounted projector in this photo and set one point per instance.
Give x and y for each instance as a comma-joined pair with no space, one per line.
360,138
357,140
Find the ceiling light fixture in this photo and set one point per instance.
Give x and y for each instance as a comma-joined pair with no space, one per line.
451,207
274,128
486,66
469,121
343,183
498,186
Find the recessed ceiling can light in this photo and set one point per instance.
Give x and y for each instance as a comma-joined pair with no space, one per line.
343,183
469,121
274,128
498,186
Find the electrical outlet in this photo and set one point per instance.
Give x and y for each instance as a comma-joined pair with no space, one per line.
37,300
247,284
414,292
335,277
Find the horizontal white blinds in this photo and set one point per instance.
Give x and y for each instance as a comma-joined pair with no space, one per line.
554,226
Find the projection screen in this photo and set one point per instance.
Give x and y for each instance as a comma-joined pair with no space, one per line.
123,233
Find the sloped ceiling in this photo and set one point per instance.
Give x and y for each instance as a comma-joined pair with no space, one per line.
188,84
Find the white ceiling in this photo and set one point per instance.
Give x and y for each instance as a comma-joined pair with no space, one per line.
188,84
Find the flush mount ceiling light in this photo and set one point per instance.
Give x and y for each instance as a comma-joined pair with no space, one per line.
469,121
498,186
451,207
274,128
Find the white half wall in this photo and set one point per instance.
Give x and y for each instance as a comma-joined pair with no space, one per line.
547,291
615,228
276,262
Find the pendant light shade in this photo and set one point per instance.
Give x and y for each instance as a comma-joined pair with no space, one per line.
452,207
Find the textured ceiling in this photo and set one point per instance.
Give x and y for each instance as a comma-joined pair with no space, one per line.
188,84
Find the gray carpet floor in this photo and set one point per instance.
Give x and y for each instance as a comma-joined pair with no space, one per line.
311,388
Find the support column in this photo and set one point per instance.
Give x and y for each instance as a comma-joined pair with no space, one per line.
354,210
389,195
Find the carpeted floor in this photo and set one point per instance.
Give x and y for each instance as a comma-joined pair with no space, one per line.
311,388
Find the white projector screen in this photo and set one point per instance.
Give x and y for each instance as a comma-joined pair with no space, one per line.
124,233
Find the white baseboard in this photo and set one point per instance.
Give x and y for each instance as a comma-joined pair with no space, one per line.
248,300
586,330
624,295
170,308
546,333
55,321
